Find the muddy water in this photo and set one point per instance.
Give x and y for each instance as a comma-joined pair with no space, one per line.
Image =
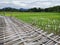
21,43
2,25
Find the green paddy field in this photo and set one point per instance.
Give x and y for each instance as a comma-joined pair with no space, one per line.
47,21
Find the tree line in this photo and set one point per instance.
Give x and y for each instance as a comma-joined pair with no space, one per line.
50,9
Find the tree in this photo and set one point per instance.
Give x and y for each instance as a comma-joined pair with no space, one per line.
50,9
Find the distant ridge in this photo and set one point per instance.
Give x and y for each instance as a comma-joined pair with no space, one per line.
50,9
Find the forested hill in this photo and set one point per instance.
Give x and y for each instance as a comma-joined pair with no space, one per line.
50,9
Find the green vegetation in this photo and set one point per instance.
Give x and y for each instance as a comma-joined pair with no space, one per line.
45,20
34,9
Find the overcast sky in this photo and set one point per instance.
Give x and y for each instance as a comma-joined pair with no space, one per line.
28,3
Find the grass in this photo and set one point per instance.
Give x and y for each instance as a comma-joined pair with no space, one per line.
45,20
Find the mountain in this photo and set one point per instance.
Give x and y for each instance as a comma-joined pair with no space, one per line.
23,9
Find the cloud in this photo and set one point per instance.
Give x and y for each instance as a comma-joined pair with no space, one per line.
4,2
18,3
28,3
41,4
